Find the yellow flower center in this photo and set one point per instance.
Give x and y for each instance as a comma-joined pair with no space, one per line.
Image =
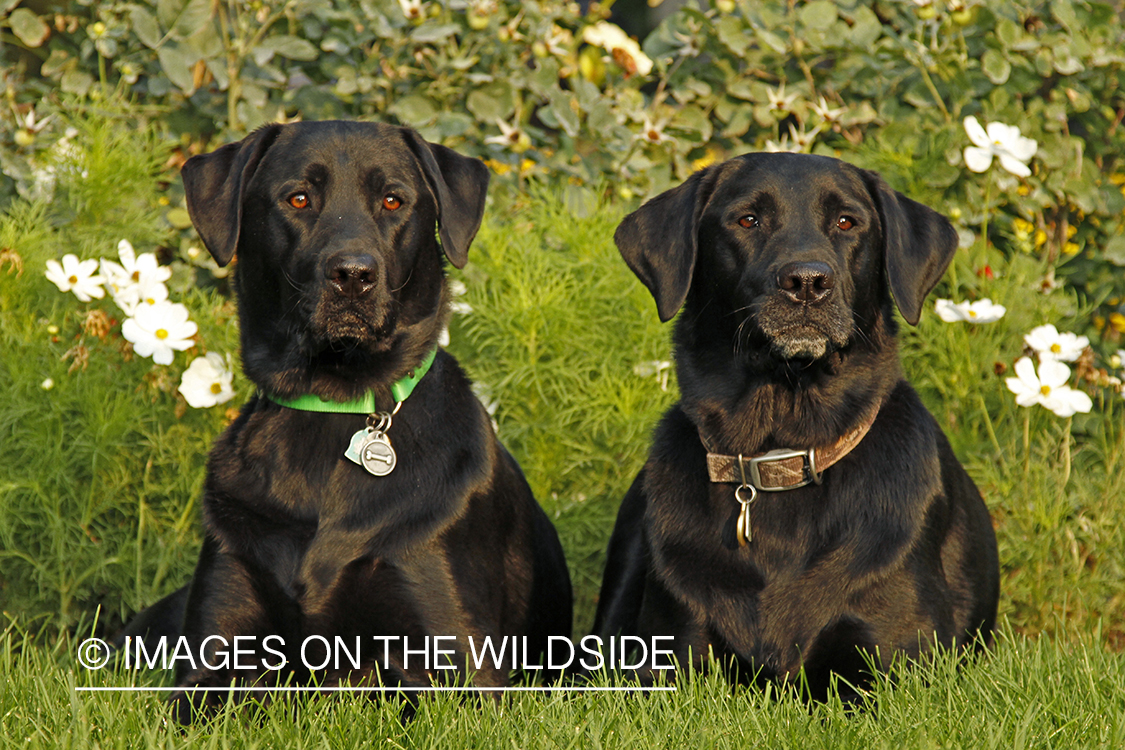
161,334
136,275
972,313
1055,348
1045,390
73,279
150,301
216,388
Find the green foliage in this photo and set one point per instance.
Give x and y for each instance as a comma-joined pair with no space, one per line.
100,474
1054,486
559,329
883,84
99,477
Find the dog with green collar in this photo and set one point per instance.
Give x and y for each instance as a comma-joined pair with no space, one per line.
362,497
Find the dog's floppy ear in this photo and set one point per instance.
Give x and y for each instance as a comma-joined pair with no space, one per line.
459,184
659,242
214,185
918,243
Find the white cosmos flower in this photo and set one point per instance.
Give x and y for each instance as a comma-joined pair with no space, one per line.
490,404
207,381
457,289
76,276
147,292
1048,388
999,140
625,50
157,330
658,368
1050,344
981,311
136,278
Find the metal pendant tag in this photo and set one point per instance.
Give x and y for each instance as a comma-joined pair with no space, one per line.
742,527
377,455
355,447
371,448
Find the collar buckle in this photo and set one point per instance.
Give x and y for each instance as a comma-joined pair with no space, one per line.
751,471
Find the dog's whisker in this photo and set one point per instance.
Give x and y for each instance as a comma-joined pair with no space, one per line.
403,286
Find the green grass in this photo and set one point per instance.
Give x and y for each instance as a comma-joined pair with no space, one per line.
1027,693
100,477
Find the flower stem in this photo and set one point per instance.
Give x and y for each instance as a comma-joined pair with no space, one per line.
1026,444
1066,453
987,213
988,424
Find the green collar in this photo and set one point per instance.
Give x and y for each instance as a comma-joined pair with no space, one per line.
366,403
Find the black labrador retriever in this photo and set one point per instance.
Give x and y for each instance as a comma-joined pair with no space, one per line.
361,500
800,508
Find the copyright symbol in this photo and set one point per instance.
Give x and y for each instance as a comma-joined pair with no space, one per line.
93,653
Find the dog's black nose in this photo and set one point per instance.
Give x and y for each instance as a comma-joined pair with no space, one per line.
352,275
806,282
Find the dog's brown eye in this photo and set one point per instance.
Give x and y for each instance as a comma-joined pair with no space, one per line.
299,200
845,223
748,222
391,202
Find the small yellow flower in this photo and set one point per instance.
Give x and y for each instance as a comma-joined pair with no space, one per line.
709,157
1071,248
499,167
1040,238
1071,230
1117,321
1023,227
1023,191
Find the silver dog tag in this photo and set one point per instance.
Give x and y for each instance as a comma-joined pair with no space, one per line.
371,449
378,456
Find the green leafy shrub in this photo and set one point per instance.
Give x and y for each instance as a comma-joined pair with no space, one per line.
101,462
565,343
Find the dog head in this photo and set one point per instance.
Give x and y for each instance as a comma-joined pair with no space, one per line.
340,277
787,252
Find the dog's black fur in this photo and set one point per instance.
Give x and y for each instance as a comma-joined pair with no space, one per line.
340,293
785,266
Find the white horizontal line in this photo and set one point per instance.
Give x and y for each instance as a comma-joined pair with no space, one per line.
431,689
